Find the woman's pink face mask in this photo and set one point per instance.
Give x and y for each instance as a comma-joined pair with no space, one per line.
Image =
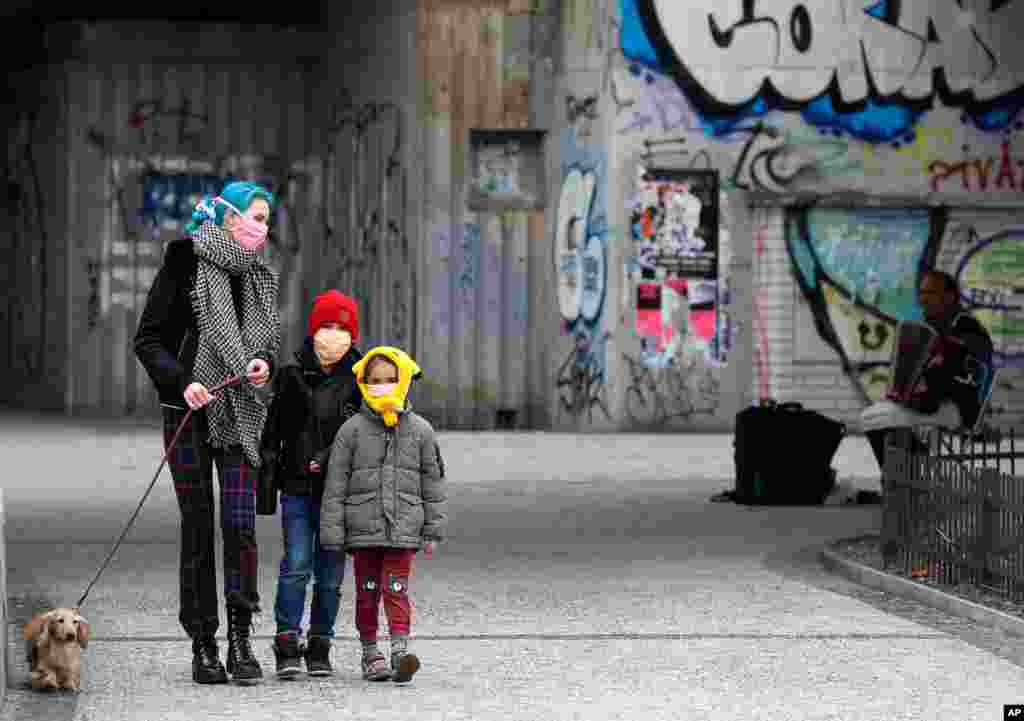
250,234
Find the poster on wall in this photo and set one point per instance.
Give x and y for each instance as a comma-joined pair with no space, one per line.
169,199
674,221
674,313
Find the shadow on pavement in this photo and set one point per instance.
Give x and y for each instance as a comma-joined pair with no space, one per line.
805,567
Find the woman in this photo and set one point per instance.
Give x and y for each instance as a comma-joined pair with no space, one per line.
211,315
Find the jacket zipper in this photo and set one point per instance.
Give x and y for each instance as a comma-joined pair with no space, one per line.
181,349
314,407
394,488
184,340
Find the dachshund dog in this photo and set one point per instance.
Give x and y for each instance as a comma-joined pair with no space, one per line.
53,644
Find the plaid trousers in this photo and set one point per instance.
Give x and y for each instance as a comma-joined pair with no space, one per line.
191,463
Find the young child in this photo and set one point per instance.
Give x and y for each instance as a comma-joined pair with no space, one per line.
384,499
314,396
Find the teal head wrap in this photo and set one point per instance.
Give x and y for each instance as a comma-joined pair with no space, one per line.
240,194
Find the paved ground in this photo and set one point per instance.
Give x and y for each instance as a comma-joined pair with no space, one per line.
587,577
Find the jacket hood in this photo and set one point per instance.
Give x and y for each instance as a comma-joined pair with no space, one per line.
389,406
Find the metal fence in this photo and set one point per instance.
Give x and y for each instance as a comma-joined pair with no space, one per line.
954,509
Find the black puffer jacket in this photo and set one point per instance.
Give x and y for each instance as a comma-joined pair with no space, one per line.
168,335
309,407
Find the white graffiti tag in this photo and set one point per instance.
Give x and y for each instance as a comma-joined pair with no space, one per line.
579,251
800,48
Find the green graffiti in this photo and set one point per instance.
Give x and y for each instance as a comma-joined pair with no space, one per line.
831,155
999,266
1005,325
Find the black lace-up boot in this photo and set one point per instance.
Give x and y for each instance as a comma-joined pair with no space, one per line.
242,663
206,665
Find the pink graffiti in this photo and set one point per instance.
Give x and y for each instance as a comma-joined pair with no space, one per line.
760,332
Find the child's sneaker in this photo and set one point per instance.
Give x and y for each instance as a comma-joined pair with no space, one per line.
403,666
318,657
288,653
375,668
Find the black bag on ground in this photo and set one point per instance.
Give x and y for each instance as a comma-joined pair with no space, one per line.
783,455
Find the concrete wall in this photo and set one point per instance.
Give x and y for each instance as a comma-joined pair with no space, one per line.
365,101
436,194
34,324
4,656
852,152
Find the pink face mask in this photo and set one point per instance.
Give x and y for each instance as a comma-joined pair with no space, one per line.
250,234
382,389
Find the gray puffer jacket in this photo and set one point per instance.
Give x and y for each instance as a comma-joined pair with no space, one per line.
384,486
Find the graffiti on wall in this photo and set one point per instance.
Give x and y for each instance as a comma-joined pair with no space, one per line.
1003,170
468,267
157,121
581,261
991,279
870,71
754,90
440,251
581,114
859,271
656,396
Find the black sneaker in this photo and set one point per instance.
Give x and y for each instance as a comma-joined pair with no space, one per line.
288,652
318,657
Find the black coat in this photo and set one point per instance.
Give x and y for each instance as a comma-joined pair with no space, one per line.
309,407
954,379
168,335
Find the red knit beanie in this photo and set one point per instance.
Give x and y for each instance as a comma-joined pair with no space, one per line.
335,307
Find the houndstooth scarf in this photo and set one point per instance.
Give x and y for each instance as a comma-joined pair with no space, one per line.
237,416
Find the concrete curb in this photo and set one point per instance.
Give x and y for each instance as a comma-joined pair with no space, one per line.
954,605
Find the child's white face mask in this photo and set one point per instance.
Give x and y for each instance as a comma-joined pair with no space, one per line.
331,345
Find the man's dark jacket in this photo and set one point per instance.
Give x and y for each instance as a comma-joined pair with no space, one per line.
309,407
963,344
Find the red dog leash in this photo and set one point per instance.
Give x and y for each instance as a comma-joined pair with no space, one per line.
167,453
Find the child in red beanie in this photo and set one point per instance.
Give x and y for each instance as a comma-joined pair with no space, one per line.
314,396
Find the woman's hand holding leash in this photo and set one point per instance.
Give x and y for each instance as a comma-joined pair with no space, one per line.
257,372
197,395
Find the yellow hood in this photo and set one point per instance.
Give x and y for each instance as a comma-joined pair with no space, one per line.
388,406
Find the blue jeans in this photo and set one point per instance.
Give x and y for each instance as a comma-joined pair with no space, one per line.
304,559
